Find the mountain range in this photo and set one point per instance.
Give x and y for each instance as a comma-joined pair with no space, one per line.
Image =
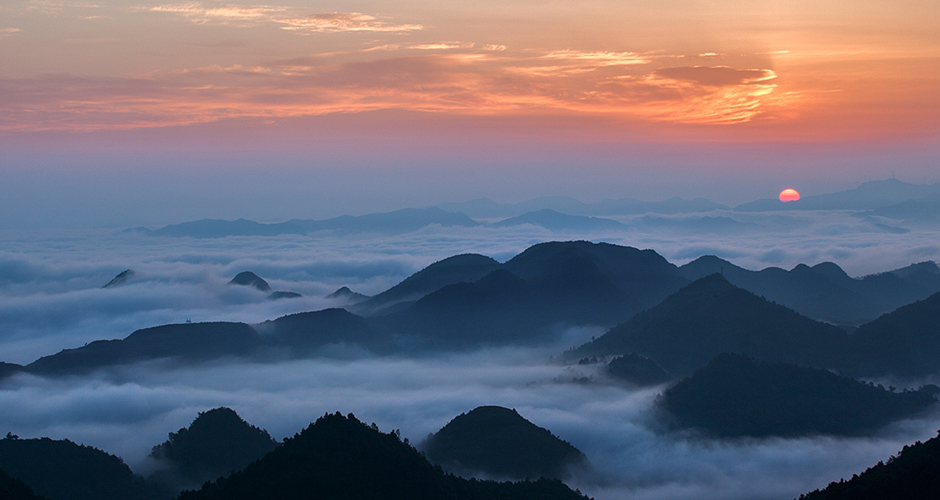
469,301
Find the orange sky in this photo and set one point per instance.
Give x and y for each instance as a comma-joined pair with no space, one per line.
735,70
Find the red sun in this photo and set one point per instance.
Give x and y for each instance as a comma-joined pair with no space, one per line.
789,195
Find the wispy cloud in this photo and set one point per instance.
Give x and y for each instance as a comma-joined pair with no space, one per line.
224,14
343,21
8,31
598,58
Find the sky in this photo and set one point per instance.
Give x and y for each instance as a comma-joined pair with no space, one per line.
330,108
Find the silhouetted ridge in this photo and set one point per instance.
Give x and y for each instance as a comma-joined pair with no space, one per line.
217,443
14,489
457,269
121,278
711,316
284,295
903,343
63,470
637,370
7,369
911,475
737,396
305,332
187,341
501,443
248,278
348,295
340,458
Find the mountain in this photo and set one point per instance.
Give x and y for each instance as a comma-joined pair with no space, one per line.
736,396
501,443
14,489
216,228
7,369
217,443
637,370
348,296
120,279
903,343
278,295
457,269
63,470
489,209
248,278
868,196
556,221
191,342
305,333
918,212
527,299
911,475
340,458
711,316
825,292
397,222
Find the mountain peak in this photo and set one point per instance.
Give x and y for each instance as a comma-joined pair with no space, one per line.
248,278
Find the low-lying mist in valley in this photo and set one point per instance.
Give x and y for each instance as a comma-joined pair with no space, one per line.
52,298
128,410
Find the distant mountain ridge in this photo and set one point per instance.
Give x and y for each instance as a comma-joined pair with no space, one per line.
489,209
867,196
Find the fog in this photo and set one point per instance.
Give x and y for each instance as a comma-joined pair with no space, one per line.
51,297
129,410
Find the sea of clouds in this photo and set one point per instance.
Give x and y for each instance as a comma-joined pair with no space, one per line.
51,298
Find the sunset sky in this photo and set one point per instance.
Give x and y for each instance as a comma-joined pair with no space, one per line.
427,101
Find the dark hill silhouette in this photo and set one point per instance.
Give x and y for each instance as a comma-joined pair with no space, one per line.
63,470
457,269
911,475
737,396
348,296
14,489
711,316
7,369
217,443
556,221
304,333
248,278
824,291
340,458
278,295
121,278
501,443
191,342
903,343
637,370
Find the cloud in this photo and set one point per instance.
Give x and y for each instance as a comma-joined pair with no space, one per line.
222,14
344,22
127,411
716,76
8,31
602,58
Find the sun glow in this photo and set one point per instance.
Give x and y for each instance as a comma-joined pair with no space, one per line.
788,195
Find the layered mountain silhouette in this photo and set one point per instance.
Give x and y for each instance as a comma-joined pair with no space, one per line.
469,301
486,208
217,443
340,458
636,370
498,442
14,489
917,212
824,291
557,221
712,316
63,470
868,196
397,222
348,296
736,396
904,343
911,475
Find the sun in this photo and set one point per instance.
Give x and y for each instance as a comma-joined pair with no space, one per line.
789,195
